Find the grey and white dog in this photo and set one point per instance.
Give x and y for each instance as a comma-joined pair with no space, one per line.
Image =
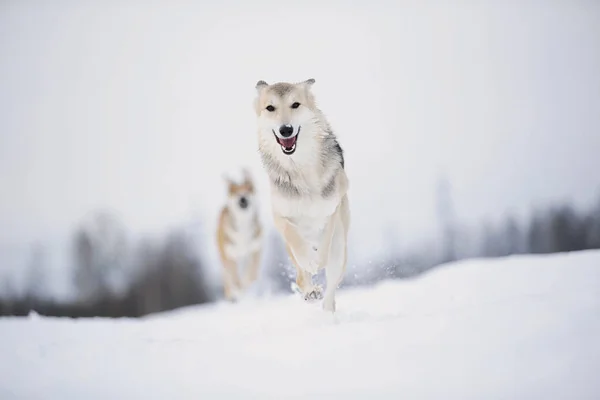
305,164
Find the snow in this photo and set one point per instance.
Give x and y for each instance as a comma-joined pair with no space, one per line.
523,327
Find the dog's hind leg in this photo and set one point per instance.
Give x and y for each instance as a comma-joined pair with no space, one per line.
336,265
231,281
252,270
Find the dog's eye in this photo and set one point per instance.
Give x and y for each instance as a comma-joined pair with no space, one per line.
296,105
270,108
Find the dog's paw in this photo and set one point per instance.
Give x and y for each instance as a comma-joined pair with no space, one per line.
231,300
316,293
234,296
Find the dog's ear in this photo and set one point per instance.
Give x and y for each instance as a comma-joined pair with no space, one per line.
308,83
248,179
260,85
227,179
246,174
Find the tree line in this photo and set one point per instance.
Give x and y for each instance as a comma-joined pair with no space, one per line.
552,229
116,277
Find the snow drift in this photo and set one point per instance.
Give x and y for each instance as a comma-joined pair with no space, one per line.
523,327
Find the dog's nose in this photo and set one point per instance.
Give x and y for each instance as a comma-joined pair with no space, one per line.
286,130
243,202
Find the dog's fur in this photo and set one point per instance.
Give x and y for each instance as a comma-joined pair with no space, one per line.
239,238
308,184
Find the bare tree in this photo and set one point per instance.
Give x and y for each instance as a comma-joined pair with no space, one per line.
36,274
514,240
100,255
446,218
593,227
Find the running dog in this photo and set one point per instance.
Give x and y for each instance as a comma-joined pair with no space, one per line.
305,165
239,237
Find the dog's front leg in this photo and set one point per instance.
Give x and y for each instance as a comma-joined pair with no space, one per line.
304,258
303,252
304,281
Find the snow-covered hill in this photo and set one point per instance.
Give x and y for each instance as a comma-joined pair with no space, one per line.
523,327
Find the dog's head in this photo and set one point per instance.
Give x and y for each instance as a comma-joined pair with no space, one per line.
240,195
286,112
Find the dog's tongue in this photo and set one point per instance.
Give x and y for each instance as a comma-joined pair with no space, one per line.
288,142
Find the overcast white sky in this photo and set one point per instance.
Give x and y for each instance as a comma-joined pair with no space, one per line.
140,106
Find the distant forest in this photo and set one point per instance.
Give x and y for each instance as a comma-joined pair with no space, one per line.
115,278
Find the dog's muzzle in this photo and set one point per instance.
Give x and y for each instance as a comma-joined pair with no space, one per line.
287,140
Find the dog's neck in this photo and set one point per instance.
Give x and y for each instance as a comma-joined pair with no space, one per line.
313,171
241,219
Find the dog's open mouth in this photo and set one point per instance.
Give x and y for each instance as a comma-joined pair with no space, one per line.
288,145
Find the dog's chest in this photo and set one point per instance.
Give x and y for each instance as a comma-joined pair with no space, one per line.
304,207
243,235
311,229
309,215
306,203
243,238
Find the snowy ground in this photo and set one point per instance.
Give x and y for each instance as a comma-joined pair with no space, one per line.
518,328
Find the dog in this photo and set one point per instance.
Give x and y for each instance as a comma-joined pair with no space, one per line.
305,165
239,237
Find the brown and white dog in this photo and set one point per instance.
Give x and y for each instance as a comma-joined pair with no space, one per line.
239,237
305,164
